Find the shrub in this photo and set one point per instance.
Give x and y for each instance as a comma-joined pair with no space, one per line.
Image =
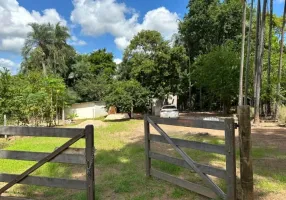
72,115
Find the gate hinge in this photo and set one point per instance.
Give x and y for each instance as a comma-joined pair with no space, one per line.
236,125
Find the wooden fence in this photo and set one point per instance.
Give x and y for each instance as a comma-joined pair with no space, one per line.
228,150
63,154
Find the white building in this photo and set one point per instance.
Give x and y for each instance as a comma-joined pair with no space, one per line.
87,110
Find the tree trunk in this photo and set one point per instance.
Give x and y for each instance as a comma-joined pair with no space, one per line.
268,112
240,100
248,53
201,99
190,86
57,114
260,65
44,68
280,65
258,24
63,114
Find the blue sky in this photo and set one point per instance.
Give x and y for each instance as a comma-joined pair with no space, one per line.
94,24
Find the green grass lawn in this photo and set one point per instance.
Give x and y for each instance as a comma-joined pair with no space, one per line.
120,170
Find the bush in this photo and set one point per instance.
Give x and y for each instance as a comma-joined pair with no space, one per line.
72,116
125,95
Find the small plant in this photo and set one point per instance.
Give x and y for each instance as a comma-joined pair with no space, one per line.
72,116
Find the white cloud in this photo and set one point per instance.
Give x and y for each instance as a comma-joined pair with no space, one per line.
121,42
280,1
9,64
76,42
97,17
161,20
14,20
117,60
13,44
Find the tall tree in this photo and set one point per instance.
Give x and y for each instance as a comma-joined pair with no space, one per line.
60,51
91,73
280,65
240,99
47,44
258,25
209,23
156,65
248,53
269,59
221,81
260,65
41,36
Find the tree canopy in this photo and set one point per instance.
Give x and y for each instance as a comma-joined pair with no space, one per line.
156,65
199,64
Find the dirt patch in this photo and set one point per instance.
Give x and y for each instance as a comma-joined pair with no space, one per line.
95,123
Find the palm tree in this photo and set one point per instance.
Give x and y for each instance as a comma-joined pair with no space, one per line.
60,49
280,65
51,41
41,37
61,34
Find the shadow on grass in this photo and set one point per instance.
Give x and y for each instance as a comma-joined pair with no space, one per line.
120,172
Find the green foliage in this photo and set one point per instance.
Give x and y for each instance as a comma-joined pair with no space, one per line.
32,98
46,48
151,61
72,116
210,23
127,95
218,73
91,74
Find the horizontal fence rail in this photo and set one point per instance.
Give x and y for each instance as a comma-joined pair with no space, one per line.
228,150
217,172
40,131
62,154
46,181
37,156
183,183
13,198
213,148
195,123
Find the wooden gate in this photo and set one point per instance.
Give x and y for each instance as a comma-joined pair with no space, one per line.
63,154
229,174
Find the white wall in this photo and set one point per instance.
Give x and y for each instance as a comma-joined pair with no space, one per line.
87,110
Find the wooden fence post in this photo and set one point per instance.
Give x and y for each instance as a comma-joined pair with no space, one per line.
89,153
230,159
147,145
246,170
